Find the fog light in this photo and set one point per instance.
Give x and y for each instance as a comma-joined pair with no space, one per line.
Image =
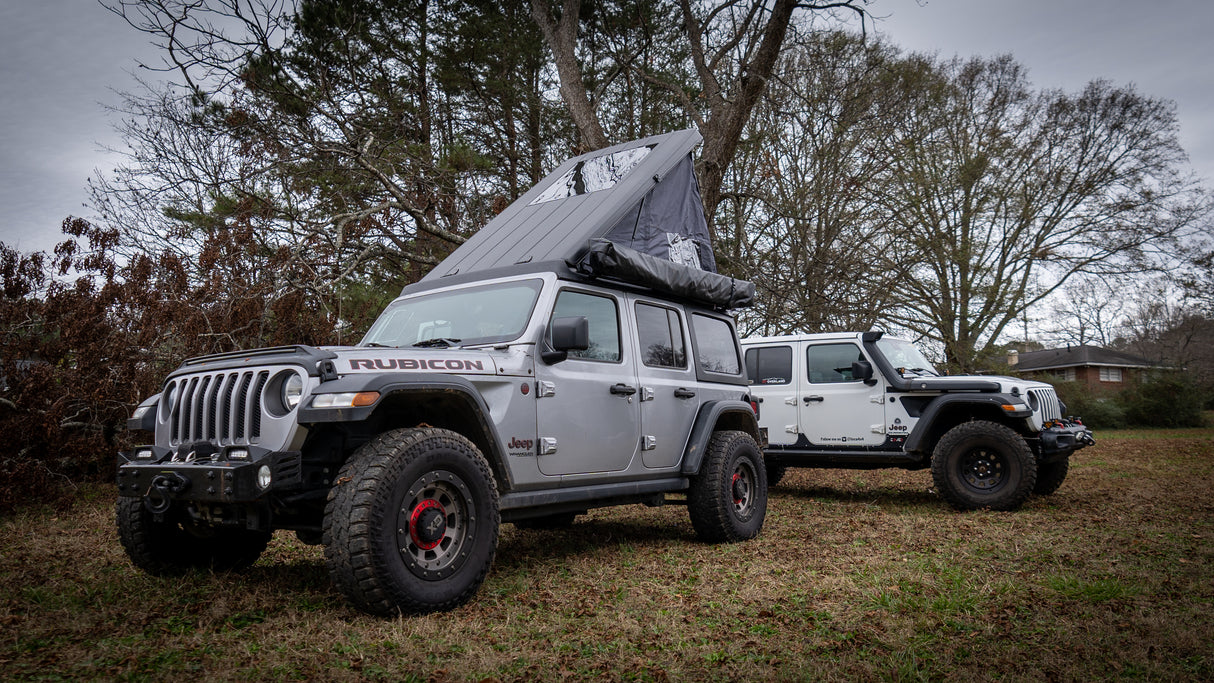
263,477
238,454
143,454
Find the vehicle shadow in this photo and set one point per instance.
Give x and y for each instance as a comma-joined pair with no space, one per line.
900,496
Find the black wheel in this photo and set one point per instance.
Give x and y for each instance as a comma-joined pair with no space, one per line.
983,464
560,520
175,544
774,474
1050,476
727,500
411,524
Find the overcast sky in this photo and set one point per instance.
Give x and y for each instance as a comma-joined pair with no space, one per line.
62,60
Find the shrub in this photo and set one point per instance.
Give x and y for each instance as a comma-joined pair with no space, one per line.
1098,412
1167,400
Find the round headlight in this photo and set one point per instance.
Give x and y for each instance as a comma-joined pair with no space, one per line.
292,391
263,477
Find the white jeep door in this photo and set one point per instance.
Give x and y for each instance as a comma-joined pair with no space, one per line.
837,409
772,376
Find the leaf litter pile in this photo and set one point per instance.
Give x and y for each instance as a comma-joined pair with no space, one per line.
856,575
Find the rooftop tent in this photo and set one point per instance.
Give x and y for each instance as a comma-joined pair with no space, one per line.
640,195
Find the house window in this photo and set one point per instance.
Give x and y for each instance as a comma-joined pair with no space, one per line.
1110,374
1066,374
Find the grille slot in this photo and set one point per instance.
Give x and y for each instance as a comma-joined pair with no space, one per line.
1047,399
223,408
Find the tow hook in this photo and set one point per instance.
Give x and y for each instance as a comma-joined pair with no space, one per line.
164,488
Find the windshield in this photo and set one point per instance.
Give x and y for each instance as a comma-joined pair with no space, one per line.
905,357
476,315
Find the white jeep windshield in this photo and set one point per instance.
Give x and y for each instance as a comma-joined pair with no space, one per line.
905,357
476,315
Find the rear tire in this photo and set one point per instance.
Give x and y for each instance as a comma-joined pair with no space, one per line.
1050,476
411,525
983,464
176,544
727,501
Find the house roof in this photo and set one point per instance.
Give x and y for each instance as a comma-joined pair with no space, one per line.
1079,356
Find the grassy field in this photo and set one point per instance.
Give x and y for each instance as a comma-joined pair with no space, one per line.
857,575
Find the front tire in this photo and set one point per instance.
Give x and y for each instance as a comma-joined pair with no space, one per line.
727,501
983,464
1050,476
411,525
175,544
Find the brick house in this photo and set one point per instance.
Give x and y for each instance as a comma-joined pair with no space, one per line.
1100,369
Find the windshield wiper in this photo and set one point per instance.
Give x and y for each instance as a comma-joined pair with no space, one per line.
381,346
438,342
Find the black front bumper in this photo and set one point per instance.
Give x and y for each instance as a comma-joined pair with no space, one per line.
163,480
1062,438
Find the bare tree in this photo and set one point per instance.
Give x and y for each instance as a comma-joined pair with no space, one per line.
733,47
1007,193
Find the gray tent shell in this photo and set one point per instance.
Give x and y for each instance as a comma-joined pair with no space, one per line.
640,196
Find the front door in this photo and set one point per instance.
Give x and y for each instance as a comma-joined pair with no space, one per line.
837,409
588,408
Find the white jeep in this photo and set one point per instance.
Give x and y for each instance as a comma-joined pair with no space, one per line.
861,400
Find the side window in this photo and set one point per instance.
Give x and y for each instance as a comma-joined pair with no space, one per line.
769,365
716,347
604,321
832,362
661,333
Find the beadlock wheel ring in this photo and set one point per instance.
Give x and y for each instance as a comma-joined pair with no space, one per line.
435,525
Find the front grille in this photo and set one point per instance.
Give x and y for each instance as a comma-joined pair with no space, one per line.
222,407
1047,402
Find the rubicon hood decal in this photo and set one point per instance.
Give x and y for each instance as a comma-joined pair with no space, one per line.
415,362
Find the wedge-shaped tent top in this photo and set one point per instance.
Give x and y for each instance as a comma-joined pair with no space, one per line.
641,197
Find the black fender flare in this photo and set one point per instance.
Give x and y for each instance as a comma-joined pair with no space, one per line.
391,383
706,421
927,420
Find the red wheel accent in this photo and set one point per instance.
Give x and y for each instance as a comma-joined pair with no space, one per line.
428,524
733,488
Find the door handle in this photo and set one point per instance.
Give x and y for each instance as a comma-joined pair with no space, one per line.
813,399
684,393
623,390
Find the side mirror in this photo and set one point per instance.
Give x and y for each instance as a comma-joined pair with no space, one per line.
567,334
863,370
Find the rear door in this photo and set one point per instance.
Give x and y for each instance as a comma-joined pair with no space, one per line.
772,376
668,394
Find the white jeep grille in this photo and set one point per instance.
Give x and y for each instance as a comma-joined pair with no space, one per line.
1046,405
220,407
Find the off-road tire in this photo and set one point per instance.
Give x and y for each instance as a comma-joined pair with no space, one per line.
775,473
175,545
560,520
982,464
727,500
1050,476
411,523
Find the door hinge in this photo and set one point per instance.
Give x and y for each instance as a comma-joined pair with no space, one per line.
878,429
647,393
791,429
791,400
547,445
545,389
648,443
